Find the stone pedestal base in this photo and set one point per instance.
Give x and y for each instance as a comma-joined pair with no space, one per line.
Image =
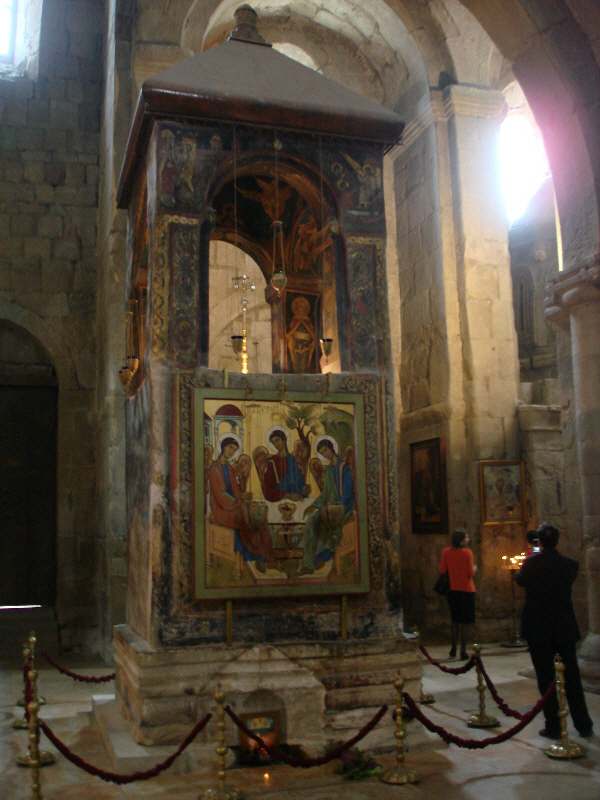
325,692
589,663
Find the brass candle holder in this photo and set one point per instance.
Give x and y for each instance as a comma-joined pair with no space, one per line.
513,565
326,346
240,342
132,362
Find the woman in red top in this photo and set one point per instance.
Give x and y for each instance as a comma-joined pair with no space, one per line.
457,561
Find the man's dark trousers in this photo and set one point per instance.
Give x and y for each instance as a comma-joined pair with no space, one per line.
549,626
542,658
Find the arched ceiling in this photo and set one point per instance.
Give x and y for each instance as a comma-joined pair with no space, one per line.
364,46
557,66
390,51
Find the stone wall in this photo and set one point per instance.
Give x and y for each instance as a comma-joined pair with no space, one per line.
49,172
423,369
111,294
458,366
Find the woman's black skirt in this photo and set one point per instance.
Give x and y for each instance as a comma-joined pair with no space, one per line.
462,607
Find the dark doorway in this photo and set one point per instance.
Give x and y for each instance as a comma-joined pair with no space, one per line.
28,429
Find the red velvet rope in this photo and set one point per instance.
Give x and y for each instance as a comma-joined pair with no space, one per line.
119,778
75,675
477,744
276,753
451,670
509,712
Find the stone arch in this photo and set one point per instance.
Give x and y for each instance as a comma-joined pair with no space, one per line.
49,341
68,397
564,103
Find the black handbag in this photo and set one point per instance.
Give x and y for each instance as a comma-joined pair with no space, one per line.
442,585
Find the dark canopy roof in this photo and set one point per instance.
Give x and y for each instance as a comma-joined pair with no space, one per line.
244,80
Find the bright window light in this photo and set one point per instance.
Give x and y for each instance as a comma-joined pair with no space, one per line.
8,10
523,164
13,608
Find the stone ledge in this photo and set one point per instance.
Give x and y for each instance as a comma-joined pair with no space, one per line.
162,693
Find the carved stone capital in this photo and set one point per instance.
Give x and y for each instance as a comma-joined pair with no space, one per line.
571,289
459,100
469,101
433,112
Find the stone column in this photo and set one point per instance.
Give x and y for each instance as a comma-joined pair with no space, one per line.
489,364
574,302
490,354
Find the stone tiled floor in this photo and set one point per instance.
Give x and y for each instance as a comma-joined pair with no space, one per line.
515,770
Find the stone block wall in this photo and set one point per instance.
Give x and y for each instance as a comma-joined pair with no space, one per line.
424,372
423,366
49,173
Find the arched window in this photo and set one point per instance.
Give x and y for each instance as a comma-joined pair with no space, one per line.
523,163
523,305
8,24
20,24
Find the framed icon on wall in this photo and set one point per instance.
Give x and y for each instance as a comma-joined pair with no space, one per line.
502,492
429,491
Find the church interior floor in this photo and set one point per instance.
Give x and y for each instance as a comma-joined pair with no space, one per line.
515,770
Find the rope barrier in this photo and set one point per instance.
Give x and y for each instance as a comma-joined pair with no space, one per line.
119,778
277,754
478,744
75,675
451,670
502,705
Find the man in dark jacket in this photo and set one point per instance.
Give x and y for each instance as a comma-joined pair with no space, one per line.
549,626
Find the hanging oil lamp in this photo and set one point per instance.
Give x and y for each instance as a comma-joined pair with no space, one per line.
132,361
278,277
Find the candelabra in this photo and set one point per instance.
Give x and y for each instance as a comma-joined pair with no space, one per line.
240,343
513,563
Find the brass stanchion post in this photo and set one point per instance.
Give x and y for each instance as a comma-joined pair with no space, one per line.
426,698
565,749
30,645
221,792
398,774
21,722
34,755
42,758
481,720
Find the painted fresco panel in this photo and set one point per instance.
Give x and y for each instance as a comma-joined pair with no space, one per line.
279,494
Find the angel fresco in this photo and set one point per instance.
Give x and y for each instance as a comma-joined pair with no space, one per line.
330,510
282,477
369,181
271,196
226,505
309,245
